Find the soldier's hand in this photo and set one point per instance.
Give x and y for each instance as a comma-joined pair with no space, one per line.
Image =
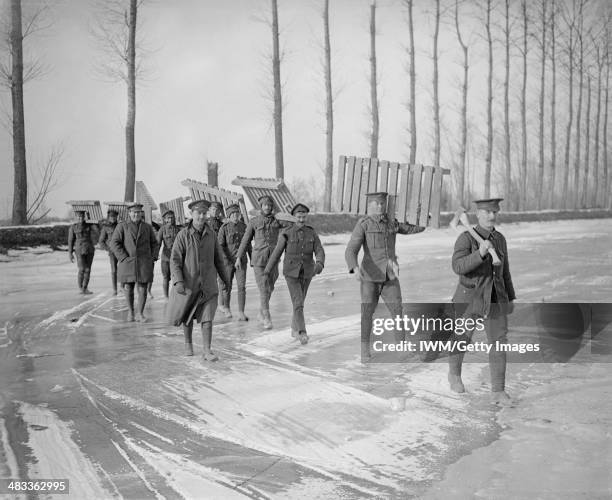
357,272
238,264
180,288
484,247
71,257
318,268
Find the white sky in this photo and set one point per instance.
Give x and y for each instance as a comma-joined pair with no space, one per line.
206,96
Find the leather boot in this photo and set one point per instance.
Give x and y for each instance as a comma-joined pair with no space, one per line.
241,304
142,300
129,298
114,282
80,275
267,320
187,332
366,355
207,341
166,287
86,274
455,361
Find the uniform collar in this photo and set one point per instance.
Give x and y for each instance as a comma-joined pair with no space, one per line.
485,233
378,218
194,230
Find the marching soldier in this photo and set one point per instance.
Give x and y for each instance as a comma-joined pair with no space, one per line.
229,237
379,268
81,238
156,228
299,242
165,239
106,233
264,229
215,221
135,247
486,291
195,260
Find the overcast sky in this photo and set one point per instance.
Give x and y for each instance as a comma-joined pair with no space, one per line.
206,95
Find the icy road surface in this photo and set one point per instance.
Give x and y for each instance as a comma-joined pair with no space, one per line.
118,410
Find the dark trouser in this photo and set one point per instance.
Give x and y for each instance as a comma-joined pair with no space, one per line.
84,262
371,291
113,264
165,269
496,327
226,291
265,284
128,289
298,288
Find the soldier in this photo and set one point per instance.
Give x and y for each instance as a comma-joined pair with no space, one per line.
166,235
379,269
81,238
135,247
195,256
156,228
299,242
215,221
106,233
487,291
229,237
264,229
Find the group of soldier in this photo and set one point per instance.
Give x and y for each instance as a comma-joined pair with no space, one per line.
199,263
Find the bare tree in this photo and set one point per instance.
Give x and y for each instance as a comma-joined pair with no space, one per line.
412,75
579,41
540,176
606,172
373,85
489,151
507,156
553,102
436,98
587,148
47,179
523,170
570,22
464,94
599,60
278,98
329,113
117,32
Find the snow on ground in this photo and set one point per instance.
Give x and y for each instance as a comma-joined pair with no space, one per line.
121,407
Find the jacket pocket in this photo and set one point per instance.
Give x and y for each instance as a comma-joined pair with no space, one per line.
375,239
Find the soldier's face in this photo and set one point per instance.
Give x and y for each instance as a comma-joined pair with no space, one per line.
376,207
486,218
234,217
199,218
266,208
135,215
169,219
81,217
112,218
301,217
213,211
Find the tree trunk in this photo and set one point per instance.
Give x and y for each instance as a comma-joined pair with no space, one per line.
373,84
329,114
597,127
553,104
412,70
579,110
540,179
463,144
508,181
20,183
587,148
606,181
278,101
523,175
489,152
130,147
570,115
436,99
212,173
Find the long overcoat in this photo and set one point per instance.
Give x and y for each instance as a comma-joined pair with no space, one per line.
135,247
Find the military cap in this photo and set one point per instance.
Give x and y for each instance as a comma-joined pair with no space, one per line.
167,212
135,206
488,204
380,196
216,204
264,198
199,205
111,211
299,207
232,209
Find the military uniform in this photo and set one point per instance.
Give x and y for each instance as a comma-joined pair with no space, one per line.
230,236
484,291
264,231
299,242
379,267
165,239
81,238
106,233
